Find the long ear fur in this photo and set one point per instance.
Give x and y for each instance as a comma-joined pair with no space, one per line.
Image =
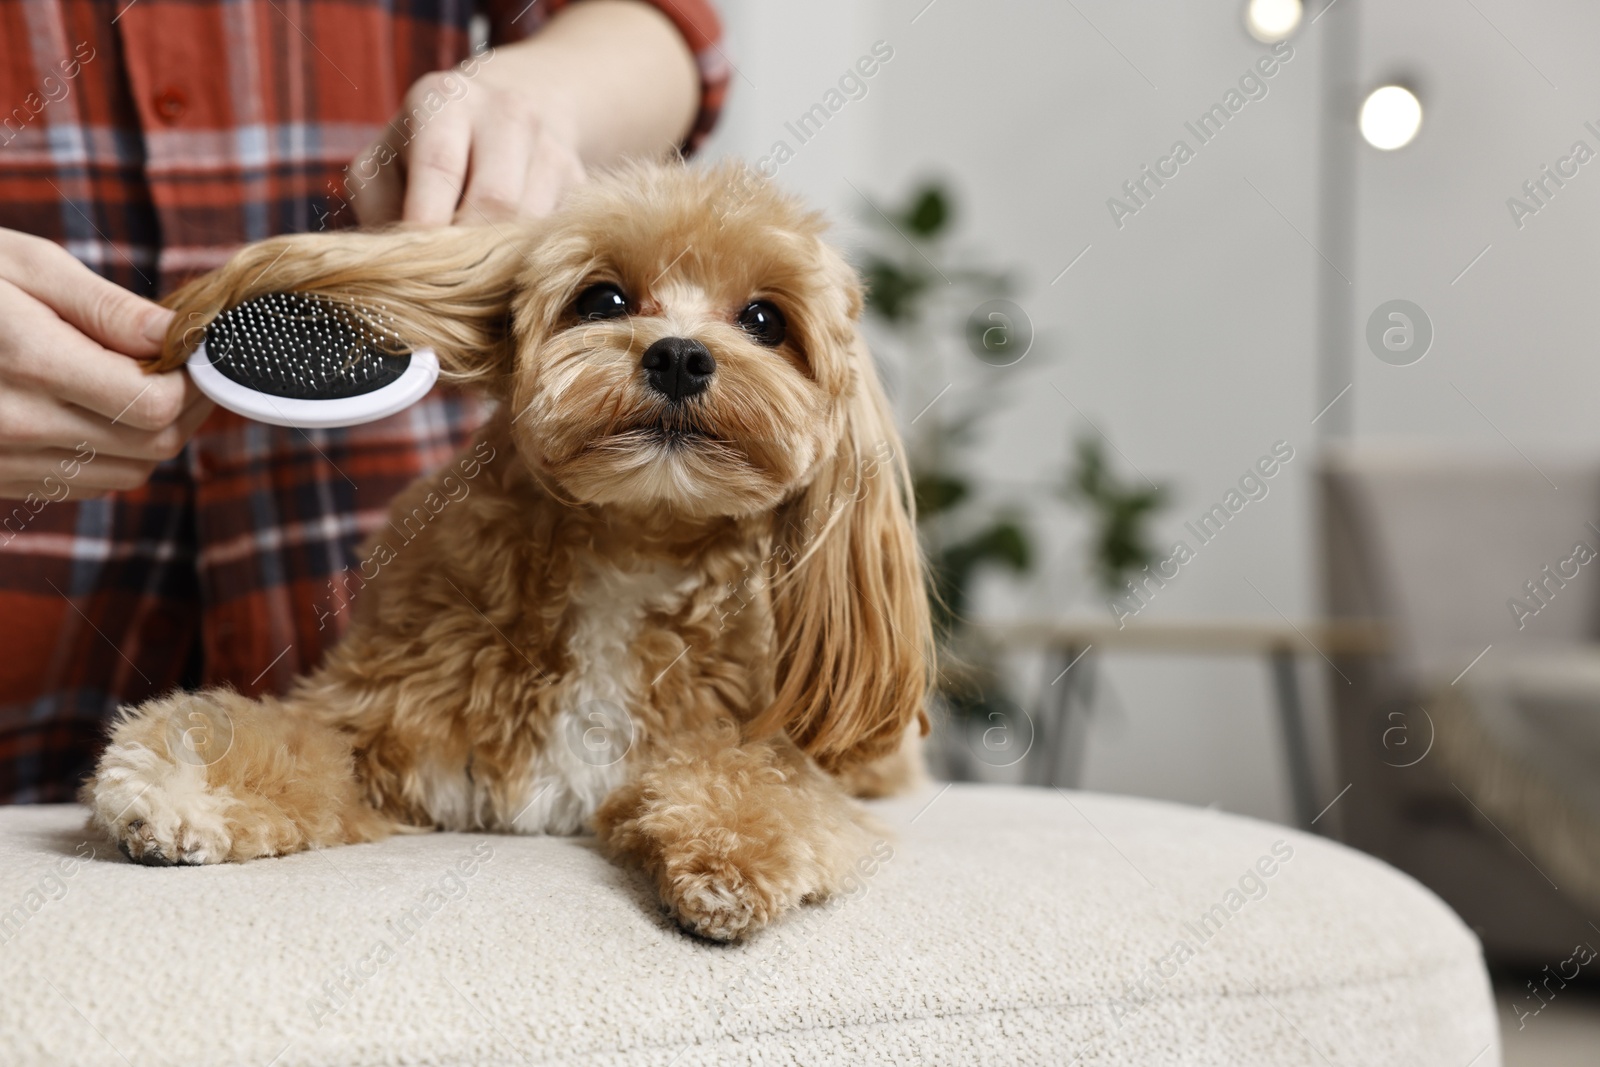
855,642
447,289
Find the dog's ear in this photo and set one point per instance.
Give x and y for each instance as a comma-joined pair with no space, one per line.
449,289
855,645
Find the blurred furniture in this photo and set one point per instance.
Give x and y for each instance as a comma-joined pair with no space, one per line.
1063,716
995,926
1437,545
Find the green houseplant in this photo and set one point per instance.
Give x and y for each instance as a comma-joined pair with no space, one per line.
923,292
1119,511
916,288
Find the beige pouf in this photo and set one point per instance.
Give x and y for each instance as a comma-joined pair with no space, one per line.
997,926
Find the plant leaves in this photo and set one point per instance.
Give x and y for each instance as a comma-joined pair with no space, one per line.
929,213
936,492
1004,542
1119,511
892,291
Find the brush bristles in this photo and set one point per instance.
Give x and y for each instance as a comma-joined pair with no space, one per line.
306,346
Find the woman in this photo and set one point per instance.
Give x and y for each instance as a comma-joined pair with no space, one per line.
148,541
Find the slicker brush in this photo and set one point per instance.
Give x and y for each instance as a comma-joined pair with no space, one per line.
305,360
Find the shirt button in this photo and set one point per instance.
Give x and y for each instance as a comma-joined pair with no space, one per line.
171,105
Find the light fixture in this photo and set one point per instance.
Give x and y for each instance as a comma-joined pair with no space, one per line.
1270,21
1390,117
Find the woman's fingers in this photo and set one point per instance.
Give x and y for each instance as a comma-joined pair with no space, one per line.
375,186
102,310
30,422
436,156
55,474
466,153
43,354
109,385
103,459
497,168
553,169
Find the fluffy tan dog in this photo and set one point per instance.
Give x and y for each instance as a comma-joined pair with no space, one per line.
671,593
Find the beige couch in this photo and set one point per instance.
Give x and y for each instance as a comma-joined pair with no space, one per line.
997,926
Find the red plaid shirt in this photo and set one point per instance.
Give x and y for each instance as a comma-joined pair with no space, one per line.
151,138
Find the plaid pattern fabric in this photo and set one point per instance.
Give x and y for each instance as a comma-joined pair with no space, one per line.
151,138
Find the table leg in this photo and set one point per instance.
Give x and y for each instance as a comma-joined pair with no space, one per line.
1060,734
1075,727
1053,709
1297,750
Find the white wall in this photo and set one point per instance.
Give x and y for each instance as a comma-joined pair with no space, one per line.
1517,334
1188,335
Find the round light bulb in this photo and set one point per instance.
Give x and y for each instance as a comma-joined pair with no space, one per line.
1271,21
1390,117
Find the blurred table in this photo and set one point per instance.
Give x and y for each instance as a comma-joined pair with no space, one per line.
1060,734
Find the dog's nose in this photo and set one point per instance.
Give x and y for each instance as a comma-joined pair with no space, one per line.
678,367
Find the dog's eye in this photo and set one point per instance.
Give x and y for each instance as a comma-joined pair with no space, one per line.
764,323
602,301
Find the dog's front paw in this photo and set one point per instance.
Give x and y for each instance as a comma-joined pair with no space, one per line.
159,812
161,827
170,841
717,902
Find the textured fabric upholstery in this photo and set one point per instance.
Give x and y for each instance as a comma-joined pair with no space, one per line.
996,925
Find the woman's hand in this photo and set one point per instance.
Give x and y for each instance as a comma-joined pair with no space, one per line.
75,404
468,151
509,131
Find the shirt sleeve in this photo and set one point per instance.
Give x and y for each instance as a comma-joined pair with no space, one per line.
697,20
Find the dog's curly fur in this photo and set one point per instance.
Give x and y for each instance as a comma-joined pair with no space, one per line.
694,627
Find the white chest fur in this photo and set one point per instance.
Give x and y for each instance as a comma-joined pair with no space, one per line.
584,756
585,752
